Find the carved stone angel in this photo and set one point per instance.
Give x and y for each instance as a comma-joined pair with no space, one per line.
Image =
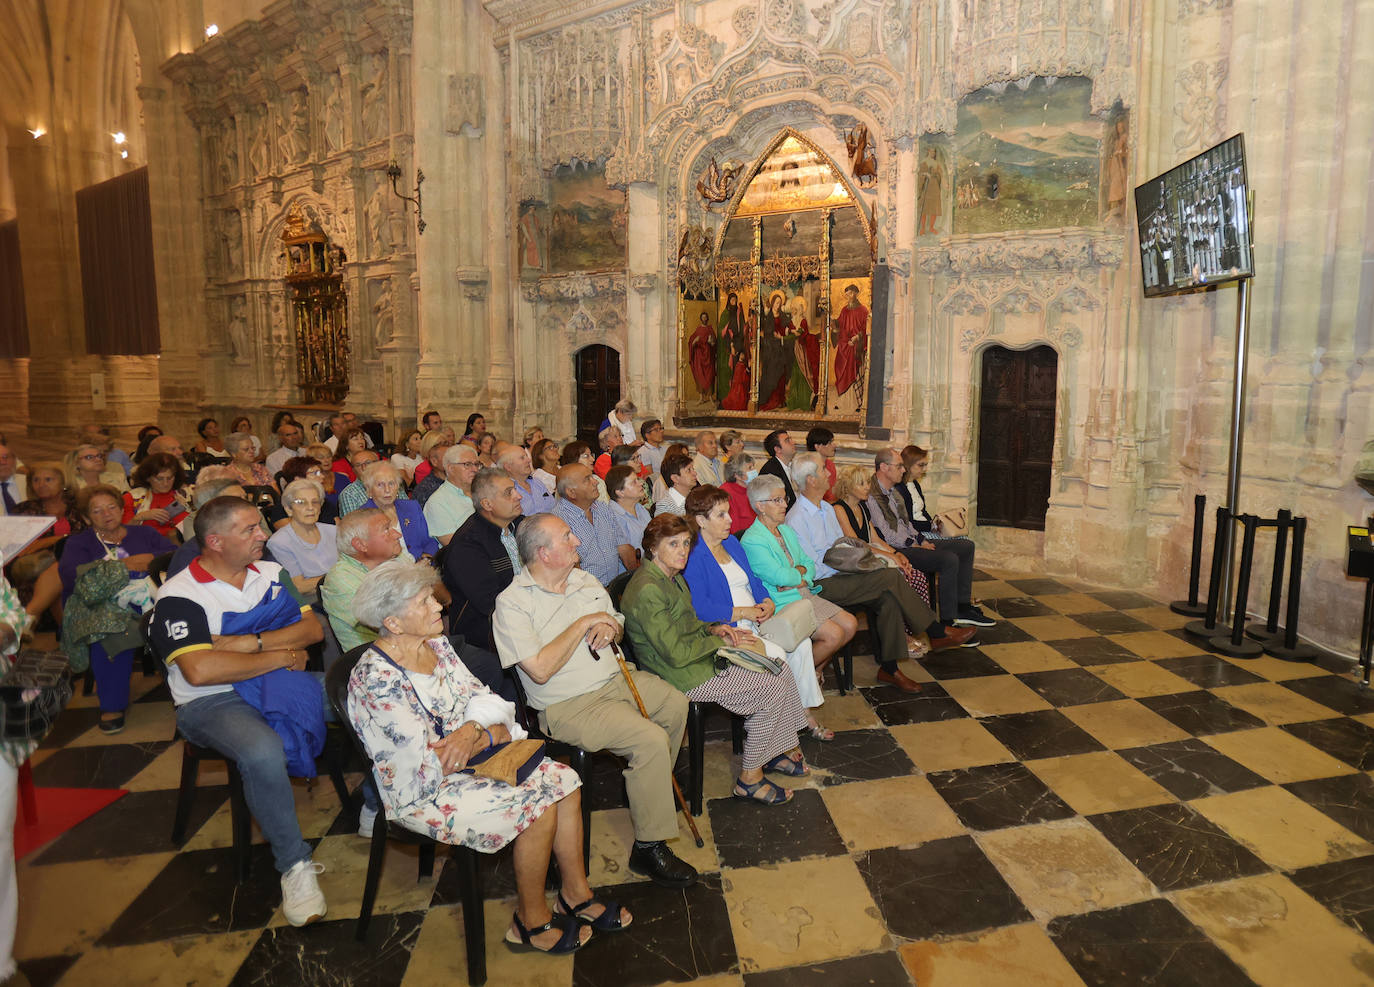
719,183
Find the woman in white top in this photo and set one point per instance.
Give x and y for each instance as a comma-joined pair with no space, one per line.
305,547
408,456
725,590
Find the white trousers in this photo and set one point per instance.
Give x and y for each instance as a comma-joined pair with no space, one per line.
803,665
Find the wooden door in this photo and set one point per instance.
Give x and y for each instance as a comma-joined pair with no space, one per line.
598,389
1016,436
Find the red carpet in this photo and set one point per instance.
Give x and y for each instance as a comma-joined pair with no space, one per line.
59,809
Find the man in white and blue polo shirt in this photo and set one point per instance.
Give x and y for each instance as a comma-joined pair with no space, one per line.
229,617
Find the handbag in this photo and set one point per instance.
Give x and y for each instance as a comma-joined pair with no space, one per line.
511,762
852,555
790,625
33,692
752,660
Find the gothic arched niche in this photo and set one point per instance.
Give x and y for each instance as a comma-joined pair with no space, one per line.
319,309
781,331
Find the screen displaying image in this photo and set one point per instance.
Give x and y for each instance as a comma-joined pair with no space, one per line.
1194,222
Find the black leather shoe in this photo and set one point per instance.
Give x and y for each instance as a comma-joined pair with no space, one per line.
660,865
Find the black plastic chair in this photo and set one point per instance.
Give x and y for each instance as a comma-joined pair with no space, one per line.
557,749
157,569
474,923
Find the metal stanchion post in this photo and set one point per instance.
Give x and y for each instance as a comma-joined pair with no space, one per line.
1208,627
1290,648
1269,630
1236,644
1190,607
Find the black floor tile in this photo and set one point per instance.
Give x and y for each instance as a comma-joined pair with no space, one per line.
961,663
1343,738
1208,671
1348,799
1111,622
327,953
994,796
140,822
859,755
157,694
1336,691
1042,733
1124,599
1004,633
1071,687
1200,712
676,935
1093,651
1146,943
895,707
196,894
1018,606
1190,769
1176,847
604,783
874,969
1345,888
70,725
944,887
495,872
748,833
97,766
1039,587
46,971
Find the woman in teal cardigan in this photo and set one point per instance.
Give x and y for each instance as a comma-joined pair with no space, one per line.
670,641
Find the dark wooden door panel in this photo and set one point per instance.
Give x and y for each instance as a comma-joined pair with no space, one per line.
1016,436
598,389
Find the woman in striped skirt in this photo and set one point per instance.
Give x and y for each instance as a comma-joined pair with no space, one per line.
670,641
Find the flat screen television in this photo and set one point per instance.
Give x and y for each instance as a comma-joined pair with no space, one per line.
1194,222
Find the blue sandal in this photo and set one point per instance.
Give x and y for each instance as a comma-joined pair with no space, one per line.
784,765
570,941
607,921
756,792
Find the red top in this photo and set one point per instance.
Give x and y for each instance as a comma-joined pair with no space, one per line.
830,472
167,501
741,514
343,466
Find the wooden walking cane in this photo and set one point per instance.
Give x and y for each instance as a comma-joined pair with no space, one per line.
682,802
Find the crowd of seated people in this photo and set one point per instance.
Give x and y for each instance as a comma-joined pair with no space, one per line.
720,561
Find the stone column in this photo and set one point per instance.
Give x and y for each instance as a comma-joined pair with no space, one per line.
650,361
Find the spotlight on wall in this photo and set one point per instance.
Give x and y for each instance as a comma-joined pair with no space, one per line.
37,132
119,137
393,172
211,30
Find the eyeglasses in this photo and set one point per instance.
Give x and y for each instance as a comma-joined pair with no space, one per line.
774,500
92,455
298,502
314,472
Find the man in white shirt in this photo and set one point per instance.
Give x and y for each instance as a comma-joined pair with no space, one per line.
14,487
449,506
710,470
680,476
290,436
651,451
622,418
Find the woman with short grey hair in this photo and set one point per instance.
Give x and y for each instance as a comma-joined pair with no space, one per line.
306,547
242,453
739,470
422,717
382,481
731,445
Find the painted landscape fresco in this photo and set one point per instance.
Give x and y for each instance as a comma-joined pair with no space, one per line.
587,221
1027,158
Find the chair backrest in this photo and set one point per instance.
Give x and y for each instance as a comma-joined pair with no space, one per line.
374,430
157,569
336,688
616,587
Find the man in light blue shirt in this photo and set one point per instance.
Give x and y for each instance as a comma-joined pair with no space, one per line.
602,550
535,498
451,505
710,470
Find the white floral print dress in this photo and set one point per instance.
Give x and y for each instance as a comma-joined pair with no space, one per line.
457,808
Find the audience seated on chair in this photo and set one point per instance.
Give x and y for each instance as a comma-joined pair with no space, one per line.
679,477
429,475
382,481
366,539
535,498
549,622
306,547
780,448
707,461
290,437
603,552
207,490
451,505
87,466
482,558
627,493
156,499
222,625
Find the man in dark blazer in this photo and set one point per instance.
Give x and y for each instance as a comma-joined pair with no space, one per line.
478,563
780,448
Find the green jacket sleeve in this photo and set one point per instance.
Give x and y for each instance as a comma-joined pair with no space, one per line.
667,626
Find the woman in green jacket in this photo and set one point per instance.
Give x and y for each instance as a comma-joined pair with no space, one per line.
670,641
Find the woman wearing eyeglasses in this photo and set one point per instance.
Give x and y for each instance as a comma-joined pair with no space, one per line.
680,648
383,485
305,546
305,467
87,467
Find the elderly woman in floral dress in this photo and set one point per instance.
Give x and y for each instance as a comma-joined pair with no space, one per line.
422,716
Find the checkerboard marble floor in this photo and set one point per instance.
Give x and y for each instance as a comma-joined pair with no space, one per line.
1090,797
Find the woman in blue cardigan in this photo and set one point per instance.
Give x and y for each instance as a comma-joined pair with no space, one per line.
726,591
382,481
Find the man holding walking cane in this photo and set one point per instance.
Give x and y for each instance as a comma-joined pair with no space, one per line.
549,623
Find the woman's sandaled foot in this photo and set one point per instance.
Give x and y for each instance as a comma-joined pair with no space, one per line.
817,732
763,791
783,764
572,935
608,916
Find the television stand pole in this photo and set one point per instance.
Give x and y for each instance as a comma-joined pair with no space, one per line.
1237,444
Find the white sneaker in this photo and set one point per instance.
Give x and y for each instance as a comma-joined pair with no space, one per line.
366,817
302,901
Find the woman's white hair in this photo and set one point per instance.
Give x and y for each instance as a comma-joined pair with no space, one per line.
372,472
762,487
236,440
388,589
299,486
738,467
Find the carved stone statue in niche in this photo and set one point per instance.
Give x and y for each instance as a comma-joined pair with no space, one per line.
379,219
260,143
228,154
718,184
293,138
374,97
281,341
238,330
1114,171
333,113
930,192
863,161
231,234
383,318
